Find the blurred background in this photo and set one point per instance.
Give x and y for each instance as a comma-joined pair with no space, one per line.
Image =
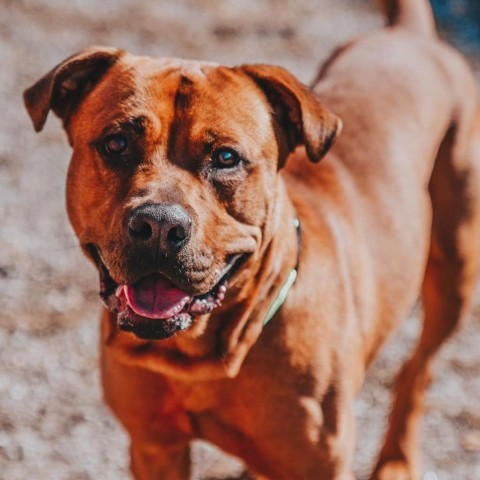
459,21
53,424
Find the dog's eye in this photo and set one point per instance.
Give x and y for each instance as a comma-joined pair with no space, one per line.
115,144
225,158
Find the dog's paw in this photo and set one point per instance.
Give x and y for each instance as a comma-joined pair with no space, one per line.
393,470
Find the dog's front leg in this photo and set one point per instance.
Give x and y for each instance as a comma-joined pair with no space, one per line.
156,462
152,412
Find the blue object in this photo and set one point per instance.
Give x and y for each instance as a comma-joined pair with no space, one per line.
460,21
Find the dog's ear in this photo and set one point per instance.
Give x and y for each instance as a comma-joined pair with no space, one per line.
297,109
63,88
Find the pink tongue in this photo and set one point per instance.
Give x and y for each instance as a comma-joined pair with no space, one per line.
155,297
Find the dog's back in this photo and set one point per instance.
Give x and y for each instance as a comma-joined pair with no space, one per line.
411,148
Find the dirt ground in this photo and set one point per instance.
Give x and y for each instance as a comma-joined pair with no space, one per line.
53,424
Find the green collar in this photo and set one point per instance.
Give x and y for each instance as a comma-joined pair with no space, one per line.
292,276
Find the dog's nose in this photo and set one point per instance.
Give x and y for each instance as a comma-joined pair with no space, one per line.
167,226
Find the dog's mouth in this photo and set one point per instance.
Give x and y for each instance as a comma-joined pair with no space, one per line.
154,307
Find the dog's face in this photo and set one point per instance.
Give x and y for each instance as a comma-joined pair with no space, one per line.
173,182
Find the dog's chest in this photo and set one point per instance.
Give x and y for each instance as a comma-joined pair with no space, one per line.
198,397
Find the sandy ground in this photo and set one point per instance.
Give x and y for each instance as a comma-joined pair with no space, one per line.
52,421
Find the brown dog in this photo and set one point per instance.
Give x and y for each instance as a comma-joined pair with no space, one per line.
187,178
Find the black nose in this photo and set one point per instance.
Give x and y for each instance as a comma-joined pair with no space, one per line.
164,225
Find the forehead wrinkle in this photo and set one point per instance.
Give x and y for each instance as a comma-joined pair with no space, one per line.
226,107
204,102
180,125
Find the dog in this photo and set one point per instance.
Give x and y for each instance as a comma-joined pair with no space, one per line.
246,288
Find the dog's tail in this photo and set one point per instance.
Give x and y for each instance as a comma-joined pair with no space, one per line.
414,15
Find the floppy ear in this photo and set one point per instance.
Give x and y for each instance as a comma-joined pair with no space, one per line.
63,88
297,109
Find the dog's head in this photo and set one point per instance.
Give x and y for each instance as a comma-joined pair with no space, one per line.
173,183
